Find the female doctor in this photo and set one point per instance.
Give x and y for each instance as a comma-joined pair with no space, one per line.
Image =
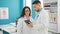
25,22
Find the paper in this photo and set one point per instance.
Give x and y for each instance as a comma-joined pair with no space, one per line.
4,13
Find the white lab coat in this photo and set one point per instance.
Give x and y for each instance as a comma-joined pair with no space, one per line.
22,28
40,25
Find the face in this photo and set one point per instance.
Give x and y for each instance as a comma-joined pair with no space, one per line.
27,11
36,7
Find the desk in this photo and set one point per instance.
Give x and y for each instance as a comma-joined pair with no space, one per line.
8,28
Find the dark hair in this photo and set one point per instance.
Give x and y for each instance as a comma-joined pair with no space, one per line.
23,11
36,2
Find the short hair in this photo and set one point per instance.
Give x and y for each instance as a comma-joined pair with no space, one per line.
36,2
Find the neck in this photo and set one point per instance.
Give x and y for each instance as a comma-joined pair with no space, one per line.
27,16
39,10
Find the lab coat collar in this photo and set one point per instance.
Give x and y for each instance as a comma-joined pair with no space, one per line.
26,17
39,12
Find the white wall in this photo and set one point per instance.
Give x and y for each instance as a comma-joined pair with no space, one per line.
29,3
41,3
49,1
58,16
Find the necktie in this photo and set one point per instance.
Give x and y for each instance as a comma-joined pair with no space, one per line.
36,16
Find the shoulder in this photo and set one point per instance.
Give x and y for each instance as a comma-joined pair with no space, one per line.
20,19
46,11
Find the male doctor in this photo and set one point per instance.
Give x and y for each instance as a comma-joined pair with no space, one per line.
41,21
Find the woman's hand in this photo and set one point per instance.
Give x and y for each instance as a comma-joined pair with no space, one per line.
30,24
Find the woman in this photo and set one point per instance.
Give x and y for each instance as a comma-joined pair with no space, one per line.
25,22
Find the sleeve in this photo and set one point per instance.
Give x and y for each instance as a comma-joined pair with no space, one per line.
38,26
19,26
46,21
42,23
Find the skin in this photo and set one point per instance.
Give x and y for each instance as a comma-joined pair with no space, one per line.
37,7
27,12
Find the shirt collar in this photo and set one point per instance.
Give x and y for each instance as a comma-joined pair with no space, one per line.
39,11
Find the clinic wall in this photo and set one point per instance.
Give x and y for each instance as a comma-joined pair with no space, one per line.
33,11
14,7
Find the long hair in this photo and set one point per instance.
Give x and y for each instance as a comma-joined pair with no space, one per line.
23,11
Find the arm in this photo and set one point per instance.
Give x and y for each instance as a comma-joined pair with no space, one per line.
19,27
42,22
40,26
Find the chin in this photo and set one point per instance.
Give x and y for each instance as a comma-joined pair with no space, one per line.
37,10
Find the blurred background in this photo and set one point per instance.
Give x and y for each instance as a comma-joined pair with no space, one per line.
14,9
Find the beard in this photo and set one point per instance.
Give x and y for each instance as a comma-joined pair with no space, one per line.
37,10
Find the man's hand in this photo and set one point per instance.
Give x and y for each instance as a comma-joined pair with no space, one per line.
30,25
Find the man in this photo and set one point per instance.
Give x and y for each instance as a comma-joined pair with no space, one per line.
41,21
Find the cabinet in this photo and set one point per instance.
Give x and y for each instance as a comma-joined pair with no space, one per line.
54,15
